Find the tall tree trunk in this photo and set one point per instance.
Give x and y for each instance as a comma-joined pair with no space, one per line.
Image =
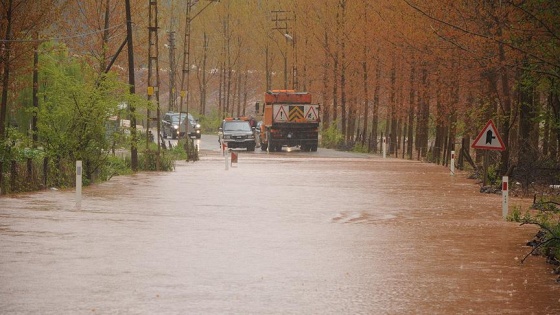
104,49
5,76
335,90
245,89
365,78
423,117
221,107
204,92
440,125
412,99
506,111
375,113
268,74
393,110
35,96
352,119
326,102
453,121
527,153
343,66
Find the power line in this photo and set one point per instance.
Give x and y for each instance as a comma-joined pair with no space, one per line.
60,38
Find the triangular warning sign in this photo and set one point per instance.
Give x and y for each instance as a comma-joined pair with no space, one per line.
311,114
280,113
489,138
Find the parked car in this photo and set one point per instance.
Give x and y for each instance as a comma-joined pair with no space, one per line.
237,133
194,128
175,124
170,124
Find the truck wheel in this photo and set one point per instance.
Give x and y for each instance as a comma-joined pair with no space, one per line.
264,146
270,143
314,147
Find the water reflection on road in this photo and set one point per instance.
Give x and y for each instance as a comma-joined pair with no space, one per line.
310,233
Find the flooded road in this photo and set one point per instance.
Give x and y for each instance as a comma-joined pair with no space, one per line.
284,233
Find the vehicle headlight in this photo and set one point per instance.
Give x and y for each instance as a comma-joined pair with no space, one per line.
197,125
175,127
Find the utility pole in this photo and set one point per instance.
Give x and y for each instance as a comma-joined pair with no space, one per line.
292,39
186,68
204,82
172,71
153,66
186,60
133,148
280,19
186,54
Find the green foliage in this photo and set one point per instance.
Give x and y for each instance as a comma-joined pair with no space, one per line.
493,175
16,147
547,242
148,160
75,106
115,166
190,149
360,148
516,216
332,137
210,123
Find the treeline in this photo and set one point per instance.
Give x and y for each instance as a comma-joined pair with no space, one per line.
426,75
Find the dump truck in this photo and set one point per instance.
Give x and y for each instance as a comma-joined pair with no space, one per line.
289,119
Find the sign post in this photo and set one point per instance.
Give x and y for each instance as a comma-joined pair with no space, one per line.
452,163
384,147
224,148
505,196
488,139
78,183
226,158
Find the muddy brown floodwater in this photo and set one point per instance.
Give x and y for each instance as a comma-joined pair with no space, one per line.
284,233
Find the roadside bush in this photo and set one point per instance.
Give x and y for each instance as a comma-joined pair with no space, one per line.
210,123
189,151
547,241
360,148
115,166
331,137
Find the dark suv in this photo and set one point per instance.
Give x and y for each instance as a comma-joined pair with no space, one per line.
237,133
171,126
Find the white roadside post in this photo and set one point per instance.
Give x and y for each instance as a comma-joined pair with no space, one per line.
504,197
452,163
226,158
384,147
78,183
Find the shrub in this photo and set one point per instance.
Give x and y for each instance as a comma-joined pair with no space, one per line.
332,137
